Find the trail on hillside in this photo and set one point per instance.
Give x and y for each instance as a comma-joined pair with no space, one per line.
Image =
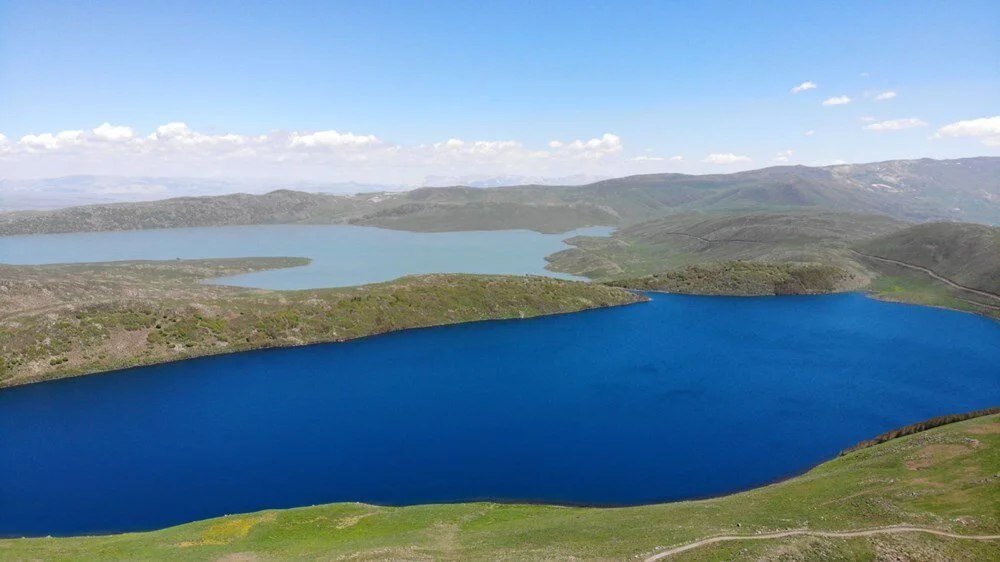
930,272
827,534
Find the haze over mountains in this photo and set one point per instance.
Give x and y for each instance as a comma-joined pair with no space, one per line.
69,191
913,190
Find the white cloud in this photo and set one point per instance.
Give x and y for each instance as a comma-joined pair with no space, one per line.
837,100
595,148
810,133
493,146
48,141
985,128
113,133
331,139
177,149
725,158
887,95
807,85
784,156
896,124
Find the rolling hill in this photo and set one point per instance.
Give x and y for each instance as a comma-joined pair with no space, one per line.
968,254
683,240
916,190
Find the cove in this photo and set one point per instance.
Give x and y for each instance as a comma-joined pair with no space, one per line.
681,397
343,255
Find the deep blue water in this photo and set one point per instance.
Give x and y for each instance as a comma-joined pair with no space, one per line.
678,398
342,255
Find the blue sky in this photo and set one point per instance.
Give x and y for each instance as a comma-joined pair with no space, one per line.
663,79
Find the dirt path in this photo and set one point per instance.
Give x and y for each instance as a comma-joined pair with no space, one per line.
829,534
945,280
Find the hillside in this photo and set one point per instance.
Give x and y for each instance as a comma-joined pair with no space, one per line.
684,240
942,480
64,320
968,254
917,190
745,278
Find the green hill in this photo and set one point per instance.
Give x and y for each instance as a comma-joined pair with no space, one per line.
684,240
943,479
968,254
917,190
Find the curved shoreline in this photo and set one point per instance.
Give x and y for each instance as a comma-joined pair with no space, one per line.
261,349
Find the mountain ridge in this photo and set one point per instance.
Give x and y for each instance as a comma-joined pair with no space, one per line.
911,190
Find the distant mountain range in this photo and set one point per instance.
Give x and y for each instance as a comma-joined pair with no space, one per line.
509,181
913,190
68,191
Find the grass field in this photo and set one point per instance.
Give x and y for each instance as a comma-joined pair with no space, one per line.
946,478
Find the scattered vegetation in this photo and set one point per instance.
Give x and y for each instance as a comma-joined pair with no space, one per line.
944,478
63,320
744,279
921,426
678,241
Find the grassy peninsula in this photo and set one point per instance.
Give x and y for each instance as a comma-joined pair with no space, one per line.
942,479
64,320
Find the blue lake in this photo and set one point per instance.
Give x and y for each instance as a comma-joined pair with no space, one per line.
681,397
343,255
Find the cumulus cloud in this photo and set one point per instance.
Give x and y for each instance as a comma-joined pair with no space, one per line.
807,85
49,141
176,149
593,149
331,139
883,96
725,158
480,147
837,100
810,133
113,133
896,124
985,128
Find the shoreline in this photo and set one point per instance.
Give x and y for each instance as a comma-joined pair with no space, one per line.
223,352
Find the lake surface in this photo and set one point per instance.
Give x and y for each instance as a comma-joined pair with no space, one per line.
343,255
681,397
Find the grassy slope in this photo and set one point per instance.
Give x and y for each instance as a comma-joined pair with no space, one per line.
968,254
744,279
945,478
64,320
726,254
683,240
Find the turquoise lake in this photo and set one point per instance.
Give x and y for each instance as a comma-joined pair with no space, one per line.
342,255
